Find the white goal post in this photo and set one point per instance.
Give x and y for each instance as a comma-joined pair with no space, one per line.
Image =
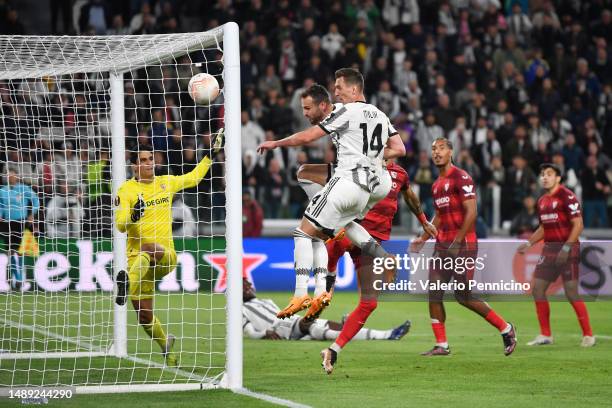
61,96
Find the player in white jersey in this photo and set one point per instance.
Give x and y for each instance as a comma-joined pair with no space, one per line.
259,321
363,137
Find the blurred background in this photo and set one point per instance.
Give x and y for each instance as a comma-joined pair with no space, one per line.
511,83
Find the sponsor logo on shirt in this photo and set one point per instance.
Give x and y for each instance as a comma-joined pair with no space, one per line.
157,201
442,201
549,217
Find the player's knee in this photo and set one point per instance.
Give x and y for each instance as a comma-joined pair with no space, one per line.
145,316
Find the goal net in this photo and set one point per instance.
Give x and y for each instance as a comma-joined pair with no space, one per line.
73,111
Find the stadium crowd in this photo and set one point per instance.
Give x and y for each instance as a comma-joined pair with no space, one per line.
512,84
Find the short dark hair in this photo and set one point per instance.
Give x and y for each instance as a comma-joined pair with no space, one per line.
449,144
351,76
134,154
553,166
318,93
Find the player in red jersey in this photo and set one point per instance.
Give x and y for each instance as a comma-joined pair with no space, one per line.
560,226
454,197
377,222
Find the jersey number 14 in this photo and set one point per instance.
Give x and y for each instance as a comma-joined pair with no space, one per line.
375,140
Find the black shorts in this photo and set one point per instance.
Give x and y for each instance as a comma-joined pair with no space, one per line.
11,232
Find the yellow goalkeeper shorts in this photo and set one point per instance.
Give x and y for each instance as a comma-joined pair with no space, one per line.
143,287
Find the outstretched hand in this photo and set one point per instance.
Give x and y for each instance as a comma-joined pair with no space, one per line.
265,146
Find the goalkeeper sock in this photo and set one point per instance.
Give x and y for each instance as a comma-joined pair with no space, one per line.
309,187
439,332
156,332
354,323
543,312
303,259
583,317
319,251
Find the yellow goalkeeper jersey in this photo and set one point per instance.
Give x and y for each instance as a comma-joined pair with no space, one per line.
155,226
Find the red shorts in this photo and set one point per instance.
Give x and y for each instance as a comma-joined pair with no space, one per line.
547,269
337,248
460,267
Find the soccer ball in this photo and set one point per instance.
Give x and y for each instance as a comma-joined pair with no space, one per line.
203,88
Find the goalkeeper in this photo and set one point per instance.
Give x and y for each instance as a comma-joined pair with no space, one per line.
144,212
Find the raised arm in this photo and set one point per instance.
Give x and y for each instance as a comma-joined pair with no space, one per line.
297,139
192,178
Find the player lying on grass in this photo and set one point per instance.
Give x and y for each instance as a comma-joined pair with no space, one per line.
144,212
560,226
454,198
316,105
259,321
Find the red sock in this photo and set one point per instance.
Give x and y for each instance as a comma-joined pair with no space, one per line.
583,317
355,321
543,312
439,331
496,320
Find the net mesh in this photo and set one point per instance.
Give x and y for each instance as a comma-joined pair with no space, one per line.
56,283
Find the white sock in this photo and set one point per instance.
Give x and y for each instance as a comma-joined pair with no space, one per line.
507,329
364,241
371,334
302,255
319,251
336,347
445,344
309,187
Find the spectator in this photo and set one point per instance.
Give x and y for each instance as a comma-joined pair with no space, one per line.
460,137
511,53
12,25
158,132
519,24
445,113
275,183
333,41
572,154
252,216
94,15
118,26
428,131
538,134
521,181
595,191
518,146
251,133
424,174
386,100
270,81
64,214
526,221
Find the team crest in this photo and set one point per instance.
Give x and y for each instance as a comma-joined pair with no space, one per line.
163,187
117,201
554,204
446,187
435,191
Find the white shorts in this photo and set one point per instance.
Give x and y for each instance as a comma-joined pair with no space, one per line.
288,329
342,200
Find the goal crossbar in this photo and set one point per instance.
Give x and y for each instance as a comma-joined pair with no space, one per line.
37,56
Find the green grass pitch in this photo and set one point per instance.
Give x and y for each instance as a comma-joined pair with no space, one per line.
378,373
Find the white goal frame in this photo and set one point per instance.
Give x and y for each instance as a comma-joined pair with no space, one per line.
116,64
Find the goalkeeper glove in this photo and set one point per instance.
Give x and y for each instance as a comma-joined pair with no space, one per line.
139,209
216,143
